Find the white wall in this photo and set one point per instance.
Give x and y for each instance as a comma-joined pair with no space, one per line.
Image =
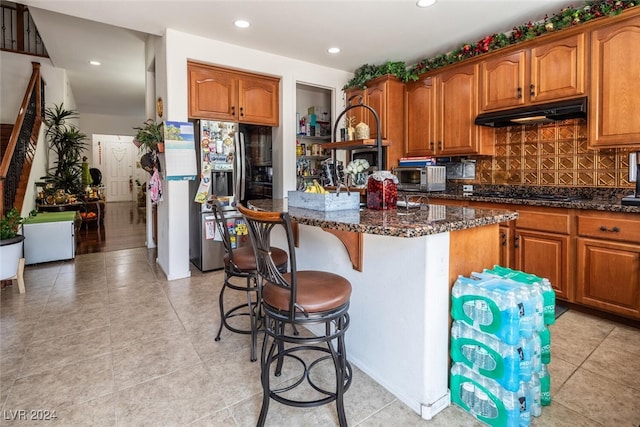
171,85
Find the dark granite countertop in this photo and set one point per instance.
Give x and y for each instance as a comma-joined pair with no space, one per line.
401,222
597,202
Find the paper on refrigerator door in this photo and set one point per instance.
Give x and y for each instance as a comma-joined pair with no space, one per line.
203,187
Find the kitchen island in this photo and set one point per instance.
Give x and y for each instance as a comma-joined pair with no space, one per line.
399,332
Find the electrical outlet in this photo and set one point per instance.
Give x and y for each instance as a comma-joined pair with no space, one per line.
467,188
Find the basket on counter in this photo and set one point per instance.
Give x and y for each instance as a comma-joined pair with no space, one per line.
324,202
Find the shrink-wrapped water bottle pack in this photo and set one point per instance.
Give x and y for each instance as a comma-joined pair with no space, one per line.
501,344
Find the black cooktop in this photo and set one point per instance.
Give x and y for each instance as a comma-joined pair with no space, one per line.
530,196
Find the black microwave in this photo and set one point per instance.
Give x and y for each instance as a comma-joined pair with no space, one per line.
371,156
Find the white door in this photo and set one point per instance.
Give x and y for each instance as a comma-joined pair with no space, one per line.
116,157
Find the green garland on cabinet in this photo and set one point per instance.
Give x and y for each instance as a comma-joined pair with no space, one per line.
568,17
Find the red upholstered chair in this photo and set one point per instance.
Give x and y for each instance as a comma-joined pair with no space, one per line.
292,300
240,262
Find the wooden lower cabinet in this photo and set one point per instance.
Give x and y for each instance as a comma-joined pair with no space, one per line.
608,262
608,276
545,255
591,258
506,247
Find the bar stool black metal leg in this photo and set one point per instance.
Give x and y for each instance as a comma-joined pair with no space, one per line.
221,304
264,378
252,318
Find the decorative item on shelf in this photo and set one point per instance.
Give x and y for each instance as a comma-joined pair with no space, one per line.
362,131
382,190
351,132
357,170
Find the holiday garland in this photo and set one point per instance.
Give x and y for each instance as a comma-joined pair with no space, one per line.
568,17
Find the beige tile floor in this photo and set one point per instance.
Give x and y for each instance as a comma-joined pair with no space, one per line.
106,340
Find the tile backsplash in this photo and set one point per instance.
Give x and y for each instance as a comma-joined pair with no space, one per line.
553,154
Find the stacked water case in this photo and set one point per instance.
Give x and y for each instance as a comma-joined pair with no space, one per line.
500,345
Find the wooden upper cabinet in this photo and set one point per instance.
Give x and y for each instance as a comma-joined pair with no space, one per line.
558,69
545,72
258,100
421,117
457,108
220,94
440,114
503,80
614,103
386,96
377,99
212,94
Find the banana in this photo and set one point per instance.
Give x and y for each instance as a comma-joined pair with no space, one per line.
319,188
311,189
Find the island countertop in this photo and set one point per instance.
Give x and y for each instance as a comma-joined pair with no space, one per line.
401,222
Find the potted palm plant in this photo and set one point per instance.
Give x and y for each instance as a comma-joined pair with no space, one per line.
66,141
11,242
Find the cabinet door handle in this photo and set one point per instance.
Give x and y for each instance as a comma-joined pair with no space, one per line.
439,145
519,96
516,241
241,112
431,145
612,229
503,236
233,110
532,90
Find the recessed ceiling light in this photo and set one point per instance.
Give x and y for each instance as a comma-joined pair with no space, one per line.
425,3
93,62
333,50
241,23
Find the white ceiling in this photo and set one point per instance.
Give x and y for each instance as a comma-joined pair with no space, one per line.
368,32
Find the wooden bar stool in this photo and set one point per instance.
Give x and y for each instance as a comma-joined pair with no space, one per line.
240,262
294,299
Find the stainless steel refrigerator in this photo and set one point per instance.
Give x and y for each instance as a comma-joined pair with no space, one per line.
234,164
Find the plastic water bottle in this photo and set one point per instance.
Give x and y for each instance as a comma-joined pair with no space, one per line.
526,359
545,386
484,407
468,395
535,393
545,345
536,354
483,316
549,297
538,301
524,400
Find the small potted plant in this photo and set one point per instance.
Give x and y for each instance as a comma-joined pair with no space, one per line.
149,136
11,242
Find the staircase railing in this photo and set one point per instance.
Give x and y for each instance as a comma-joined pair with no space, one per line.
19,32
18,157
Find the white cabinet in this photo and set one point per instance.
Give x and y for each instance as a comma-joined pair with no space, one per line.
49,236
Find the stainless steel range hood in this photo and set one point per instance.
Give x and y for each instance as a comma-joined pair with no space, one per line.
543,113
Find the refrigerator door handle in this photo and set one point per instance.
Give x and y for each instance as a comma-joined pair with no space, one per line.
239,170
